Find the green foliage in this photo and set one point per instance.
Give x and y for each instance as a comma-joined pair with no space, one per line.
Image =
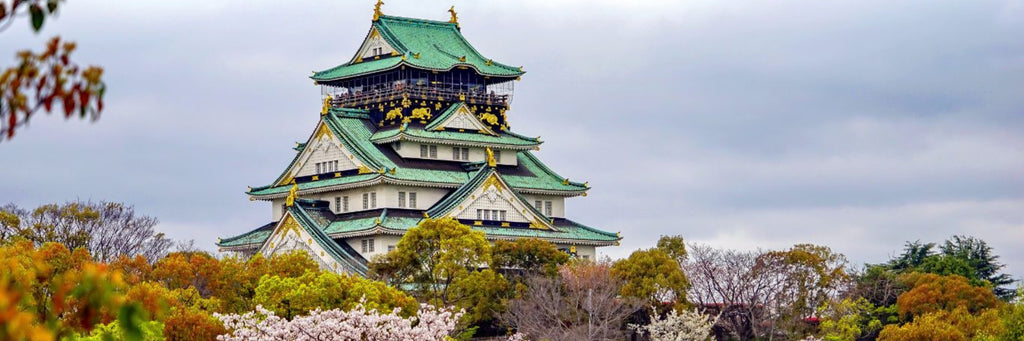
530,255
149,331
673,246
292,296
651,275
965,256
484,294
849,319
433,256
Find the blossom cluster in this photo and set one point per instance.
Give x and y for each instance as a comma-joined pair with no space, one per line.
688,325
430,323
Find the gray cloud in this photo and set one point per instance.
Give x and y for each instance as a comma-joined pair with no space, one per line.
856,125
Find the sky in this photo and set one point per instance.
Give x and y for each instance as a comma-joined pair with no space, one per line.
858,125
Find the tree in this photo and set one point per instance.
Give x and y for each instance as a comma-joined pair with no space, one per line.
50,76
849,319
51,292
293,296
979,256
942,325
582,303
360,323
673,246
107,230
965,256
197,270
728,283
434,256
684,325
653,276
931,293
810,276
527,256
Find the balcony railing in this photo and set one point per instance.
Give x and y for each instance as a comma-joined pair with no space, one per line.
437,93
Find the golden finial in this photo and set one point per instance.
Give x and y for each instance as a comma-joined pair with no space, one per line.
327,106
455,16
491,162
377,221
292,194
376,10
425,215
565,181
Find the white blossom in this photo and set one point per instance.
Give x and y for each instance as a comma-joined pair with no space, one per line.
688,325
357,324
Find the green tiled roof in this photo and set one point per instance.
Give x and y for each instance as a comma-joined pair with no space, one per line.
451,137
439,46
314,224
352,128
257,236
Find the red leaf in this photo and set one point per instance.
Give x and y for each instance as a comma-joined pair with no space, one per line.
69,105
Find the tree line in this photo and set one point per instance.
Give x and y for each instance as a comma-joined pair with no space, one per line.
69,274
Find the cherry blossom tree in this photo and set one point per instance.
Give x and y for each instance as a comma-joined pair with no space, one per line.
430,323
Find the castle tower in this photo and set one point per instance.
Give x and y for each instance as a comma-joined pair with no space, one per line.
414,125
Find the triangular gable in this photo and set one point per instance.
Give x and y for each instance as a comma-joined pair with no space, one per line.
458,117
322,147
489,191
290,235
373,45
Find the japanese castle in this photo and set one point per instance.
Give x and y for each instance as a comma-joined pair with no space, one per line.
414,126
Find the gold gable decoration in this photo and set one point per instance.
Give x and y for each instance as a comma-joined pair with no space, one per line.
292,194
455,16
376,10
491,162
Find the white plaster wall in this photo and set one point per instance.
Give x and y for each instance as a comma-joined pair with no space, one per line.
411,150
323,150
387,196
491,200
581,250
275,208
380,244
372,43
557,204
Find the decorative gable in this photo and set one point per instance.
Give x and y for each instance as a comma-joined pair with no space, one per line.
374,46
494,200
460,118
288,235
323,153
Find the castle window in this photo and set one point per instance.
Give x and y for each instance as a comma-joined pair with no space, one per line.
502,215
401,199
465,153
373,199
547,208
335,165
344,203
479,214
371,244
423,150
412,199
318,168
460,153
537,205
433,152
487,214
337,204
367,245
366,200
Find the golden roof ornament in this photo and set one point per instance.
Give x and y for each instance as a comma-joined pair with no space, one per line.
376,10
327,105
491,162
292,194
455,16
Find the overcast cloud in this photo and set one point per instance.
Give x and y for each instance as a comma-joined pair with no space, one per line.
744,124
